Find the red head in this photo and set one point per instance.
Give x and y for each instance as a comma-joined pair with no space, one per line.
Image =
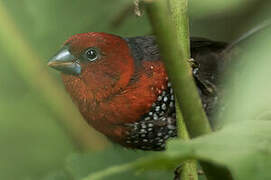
98,72
96,58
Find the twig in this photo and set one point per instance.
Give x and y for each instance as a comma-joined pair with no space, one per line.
137,10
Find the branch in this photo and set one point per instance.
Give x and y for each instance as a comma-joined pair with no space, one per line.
179,18
35,74
172,33
178,68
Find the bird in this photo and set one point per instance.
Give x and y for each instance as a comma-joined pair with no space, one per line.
121,87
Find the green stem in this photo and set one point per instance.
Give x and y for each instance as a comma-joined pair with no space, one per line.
35,74
178,68
189,167
179,17
174,41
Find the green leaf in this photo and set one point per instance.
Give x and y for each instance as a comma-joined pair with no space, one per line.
116,159
244,148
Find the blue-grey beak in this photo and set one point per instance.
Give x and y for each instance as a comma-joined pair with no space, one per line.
65,62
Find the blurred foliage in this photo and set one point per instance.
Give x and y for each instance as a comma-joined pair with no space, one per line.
247,157
35,146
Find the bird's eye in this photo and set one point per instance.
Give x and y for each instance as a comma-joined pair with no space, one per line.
91,54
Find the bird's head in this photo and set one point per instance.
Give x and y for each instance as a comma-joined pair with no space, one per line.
101,62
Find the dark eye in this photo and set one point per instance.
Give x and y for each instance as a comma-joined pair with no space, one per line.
91,54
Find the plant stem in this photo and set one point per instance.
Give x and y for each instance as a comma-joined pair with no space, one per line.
189,168
178,68
170,24
35,74
179,17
